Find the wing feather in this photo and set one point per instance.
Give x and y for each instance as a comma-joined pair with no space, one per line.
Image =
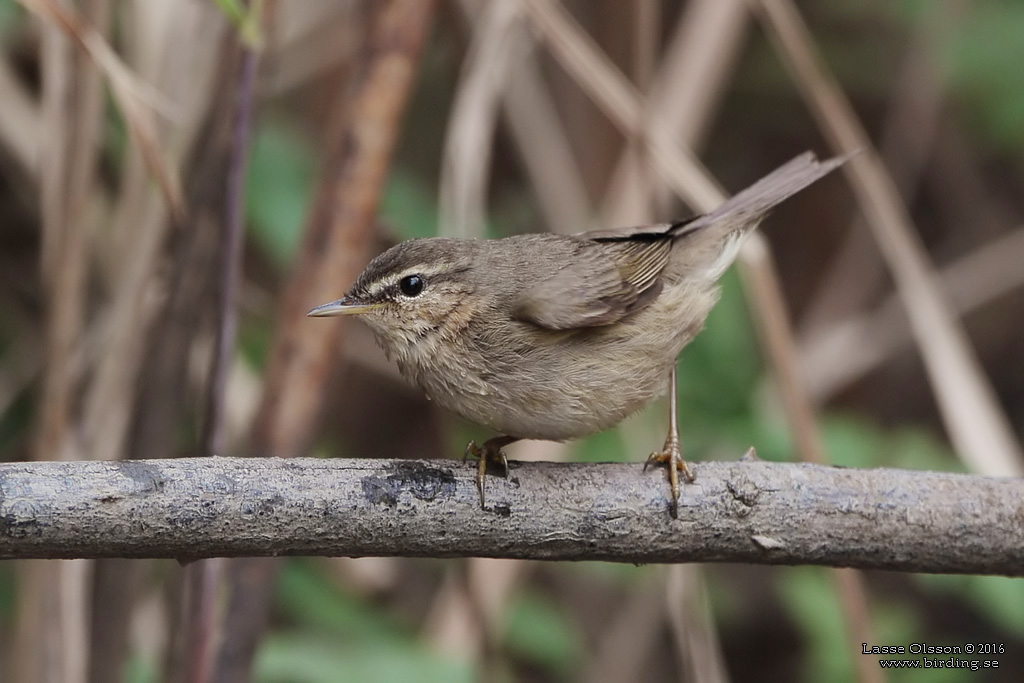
604,282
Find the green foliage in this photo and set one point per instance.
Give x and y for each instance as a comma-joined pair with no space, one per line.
720,368
246,19
282,166
332,637
998,598
602,447
138,670
988,40
282,171
408,207
16,421
538,632
313,658
984,41
812,603
304,595
10,15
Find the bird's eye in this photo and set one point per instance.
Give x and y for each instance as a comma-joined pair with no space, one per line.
411,285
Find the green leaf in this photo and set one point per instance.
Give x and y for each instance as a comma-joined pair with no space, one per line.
1001,599
998,598
408,206
853,442
306,596
538,632
982,60
916,449
279,184
138,670
810,597
606,446
300,657
719,369
10,15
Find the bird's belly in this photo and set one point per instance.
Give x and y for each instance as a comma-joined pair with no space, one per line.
546,397
536,406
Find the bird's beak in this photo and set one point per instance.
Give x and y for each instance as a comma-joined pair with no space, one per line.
343,306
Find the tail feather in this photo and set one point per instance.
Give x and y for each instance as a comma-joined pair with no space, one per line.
721,232
750,205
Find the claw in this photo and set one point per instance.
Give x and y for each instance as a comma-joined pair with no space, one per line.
489,452
671,455
481,472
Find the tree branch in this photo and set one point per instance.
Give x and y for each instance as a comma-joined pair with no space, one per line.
748,511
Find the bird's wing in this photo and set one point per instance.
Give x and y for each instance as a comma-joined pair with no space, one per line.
601,284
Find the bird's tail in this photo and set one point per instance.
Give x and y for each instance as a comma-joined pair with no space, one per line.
714,239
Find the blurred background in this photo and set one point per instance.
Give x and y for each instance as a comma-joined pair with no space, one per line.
181,181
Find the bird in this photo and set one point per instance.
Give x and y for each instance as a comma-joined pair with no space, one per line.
553,336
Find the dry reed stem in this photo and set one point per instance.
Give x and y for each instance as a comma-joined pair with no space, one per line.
141,221
977,426
306,40
53,603
838,354
622,103
699,651
855,272
630,634
135,97
543,144
132,251
690,83
498,39
540,138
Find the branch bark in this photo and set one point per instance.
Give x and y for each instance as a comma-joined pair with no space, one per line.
747,511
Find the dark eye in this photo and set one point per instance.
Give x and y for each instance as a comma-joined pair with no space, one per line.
411,285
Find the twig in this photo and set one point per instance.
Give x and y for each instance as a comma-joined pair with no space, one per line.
230,266
749,511
204,579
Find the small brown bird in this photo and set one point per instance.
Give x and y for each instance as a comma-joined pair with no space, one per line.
556,337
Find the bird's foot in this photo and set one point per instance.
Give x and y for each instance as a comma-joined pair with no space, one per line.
489,452
671,455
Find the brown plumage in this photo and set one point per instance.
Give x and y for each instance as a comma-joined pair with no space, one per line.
556,337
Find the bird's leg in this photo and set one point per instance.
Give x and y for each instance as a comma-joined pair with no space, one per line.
670,453
489,452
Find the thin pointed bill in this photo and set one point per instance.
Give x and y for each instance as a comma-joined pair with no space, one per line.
343,306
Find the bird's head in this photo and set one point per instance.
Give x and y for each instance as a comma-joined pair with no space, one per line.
413,294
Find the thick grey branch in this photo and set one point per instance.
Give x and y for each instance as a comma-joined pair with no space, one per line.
735,512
